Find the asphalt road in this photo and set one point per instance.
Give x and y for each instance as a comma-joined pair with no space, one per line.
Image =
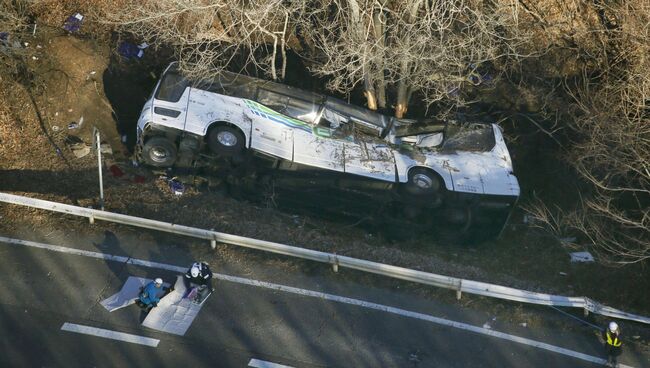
42,289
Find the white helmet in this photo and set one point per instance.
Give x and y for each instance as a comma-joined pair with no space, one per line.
158,281
195,270
613,326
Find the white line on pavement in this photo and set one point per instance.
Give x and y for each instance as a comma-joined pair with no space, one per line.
108,334
256,363
325,296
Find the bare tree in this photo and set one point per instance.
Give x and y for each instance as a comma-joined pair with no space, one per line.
607,110
208,35
412,45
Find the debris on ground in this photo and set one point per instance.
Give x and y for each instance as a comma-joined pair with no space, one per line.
488,324
106,149
129,50
581,257
568,240
73,23
77,146
116,171
176,186
528,219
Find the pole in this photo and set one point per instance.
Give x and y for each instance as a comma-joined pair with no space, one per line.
99,168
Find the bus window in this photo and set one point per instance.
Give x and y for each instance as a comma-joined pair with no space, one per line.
172,87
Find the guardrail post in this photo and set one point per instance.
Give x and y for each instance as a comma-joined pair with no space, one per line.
335,265
585,312
91,219
213,241
459,293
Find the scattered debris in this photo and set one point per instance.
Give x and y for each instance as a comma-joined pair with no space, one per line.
581,257
116,171
176,186
130,50
414,358
73,23
488,325
80,151
124,138
55,128
563,273
73,125
528,219
106,149
523,324
77,146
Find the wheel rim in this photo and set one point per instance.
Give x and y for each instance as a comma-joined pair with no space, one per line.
159,154
422,181
227,139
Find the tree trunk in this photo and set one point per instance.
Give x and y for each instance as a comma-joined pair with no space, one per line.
403,89
379,83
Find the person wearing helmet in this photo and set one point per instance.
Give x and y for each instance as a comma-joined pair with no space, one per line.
199,276
613,343
148,297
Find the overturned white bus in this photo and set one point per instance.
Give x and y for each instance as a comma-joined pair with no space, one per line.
462,172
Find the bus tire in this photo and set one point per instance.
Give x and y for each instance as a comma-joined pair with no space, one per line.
225,140
422,181
159,152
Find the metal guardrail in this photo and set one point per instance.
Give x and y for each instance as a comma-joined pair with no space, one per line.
452,283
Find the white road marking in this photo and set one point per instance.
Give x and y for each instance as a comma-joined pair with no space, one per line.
256,363
325,296
108,334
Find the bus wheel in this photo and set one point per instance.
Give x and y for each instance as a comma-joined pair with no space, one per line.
159,152
422,182
225,140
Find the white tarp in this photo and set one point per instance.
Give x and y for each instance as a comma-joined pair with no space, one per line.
128,294
174,313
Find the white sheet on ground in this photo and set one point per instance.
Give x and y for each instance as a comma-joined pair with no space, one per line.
128,294
174,313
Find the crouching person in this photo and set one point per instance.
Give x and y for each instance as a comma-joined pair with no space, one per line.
198,276
148,297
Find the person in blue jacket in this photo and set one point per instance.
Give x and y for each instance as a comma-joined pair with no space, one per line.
148,297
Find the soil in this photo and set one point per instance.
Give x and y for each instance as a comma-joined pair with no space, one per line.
73,78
